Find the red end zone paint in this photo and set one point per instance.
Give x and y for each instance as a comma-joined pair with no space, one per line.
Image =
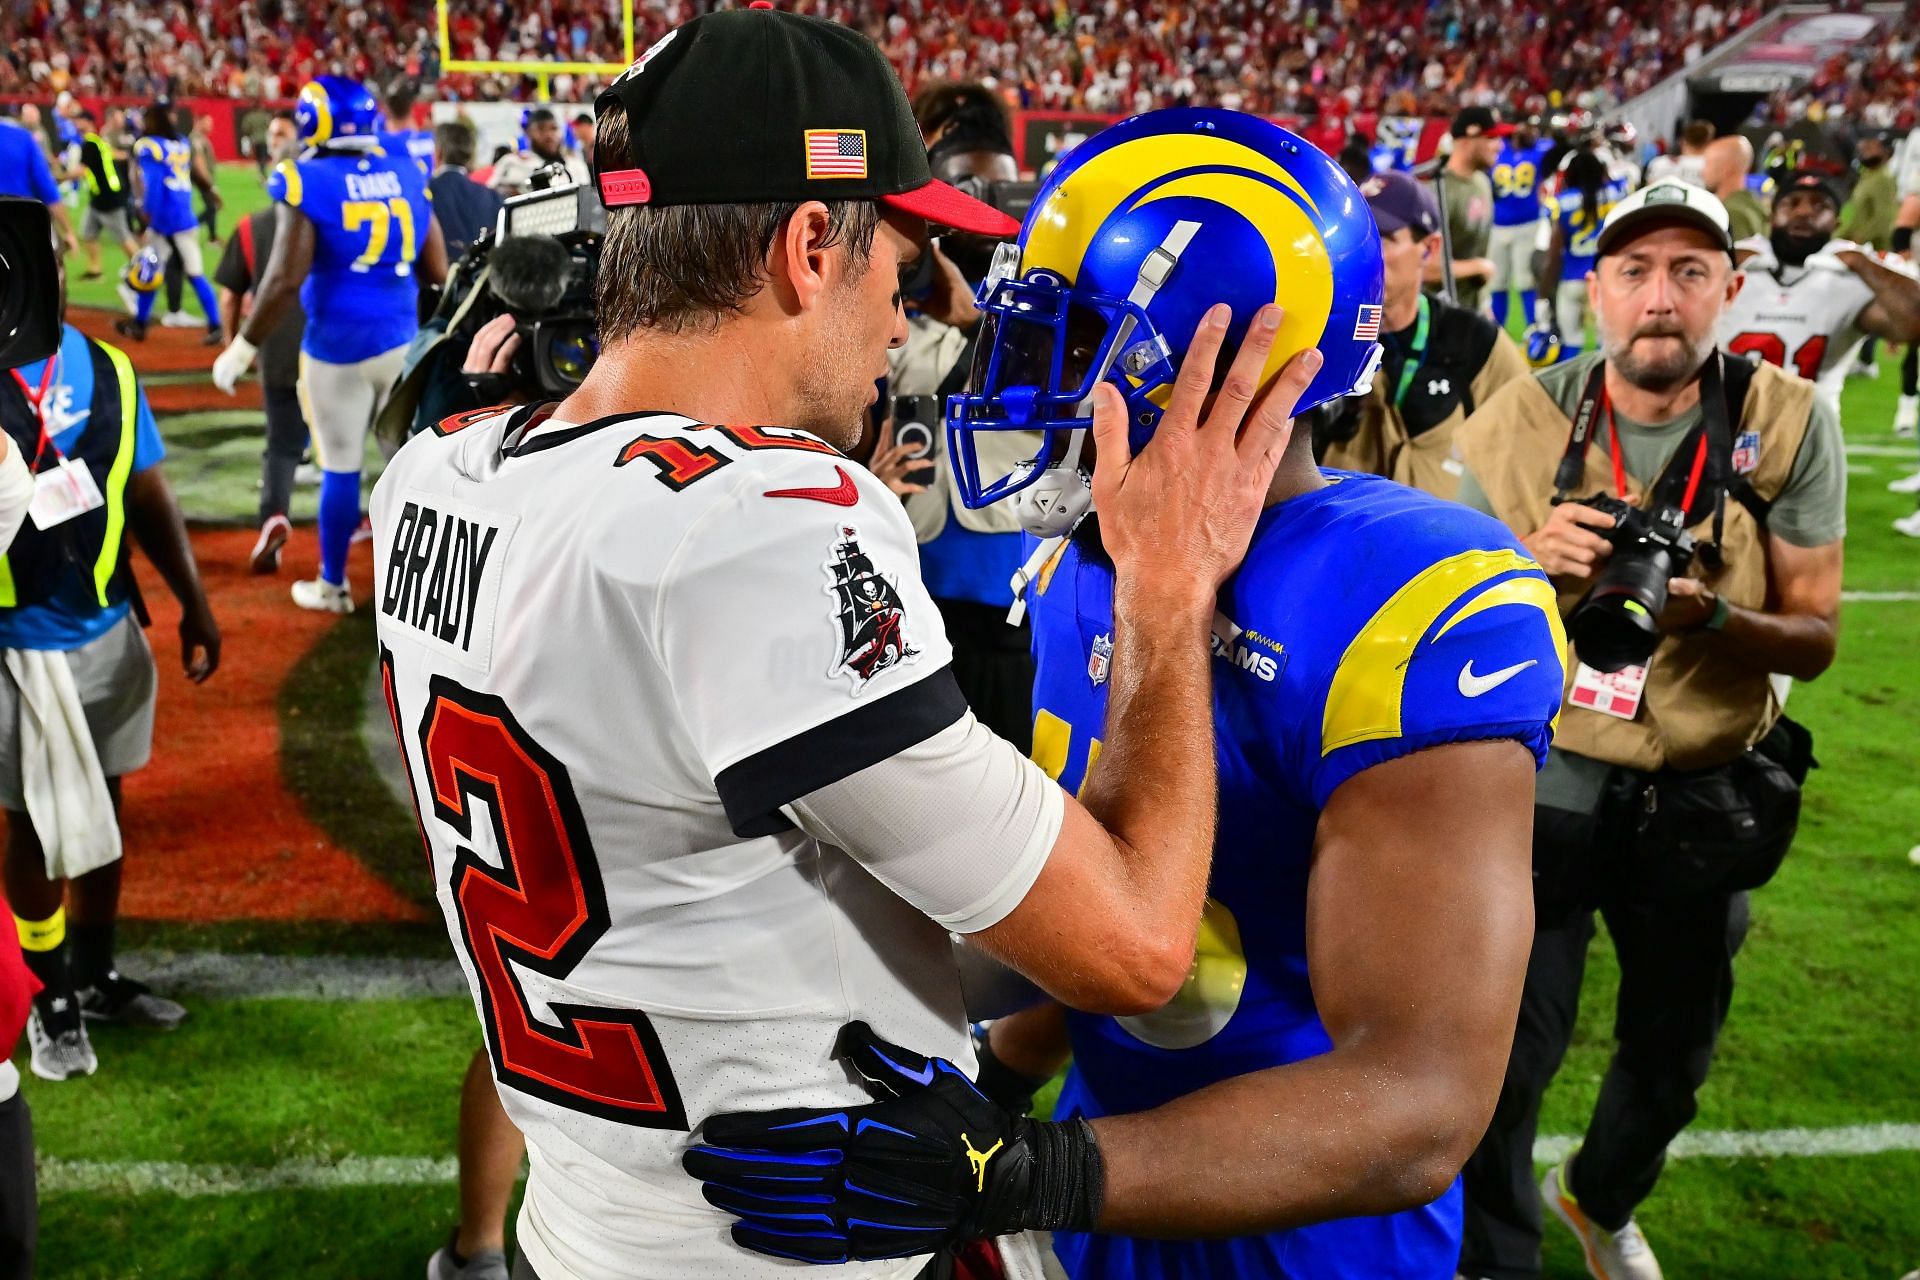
212,833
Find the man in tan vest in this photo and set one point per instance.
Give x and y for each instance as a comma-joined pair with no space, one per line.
1765,600
1440,359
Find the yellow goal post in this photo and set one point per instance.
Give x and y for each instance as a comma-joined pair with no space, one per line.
539,68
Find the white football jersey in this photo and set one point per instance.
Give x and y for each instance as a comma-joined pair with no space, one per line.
1800,318
614,652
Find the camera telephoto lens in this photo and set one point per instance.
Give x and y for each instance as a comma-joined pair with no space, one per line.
29,284
1617,625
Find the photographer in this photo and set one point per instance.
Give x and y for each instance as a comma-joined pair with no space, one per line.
1439,361
1700,552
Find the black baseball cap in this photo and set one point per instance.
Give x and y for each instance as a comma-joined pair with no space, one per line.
749,105
1808,180
1479,122
1398,201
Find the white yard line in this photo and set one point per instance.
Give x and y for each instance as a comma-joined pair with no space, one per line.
142,1177
1879,597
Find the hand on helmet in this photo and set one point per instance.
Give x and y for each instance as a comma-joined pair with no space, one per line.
1181,512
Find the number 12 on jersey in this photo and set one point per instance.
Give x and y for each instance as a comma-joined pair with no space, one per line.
375,215
541,909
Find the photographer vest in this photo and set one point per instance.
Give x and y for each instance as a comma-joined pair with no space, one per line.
80,558
1702,706
1403,427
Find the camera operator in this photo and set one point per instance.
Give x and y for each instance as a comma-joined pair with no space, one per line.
1701,551
531,294
968,558
1440,359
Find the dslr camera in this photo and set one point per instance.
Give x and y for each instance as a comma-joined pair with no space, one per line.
1617,623
539,263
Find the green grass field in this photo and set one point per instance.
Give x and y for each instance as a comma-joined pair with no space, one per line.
1825,1031
242,191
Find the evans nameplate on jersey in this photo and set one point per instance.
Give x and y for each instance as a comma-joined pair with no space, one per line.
443,571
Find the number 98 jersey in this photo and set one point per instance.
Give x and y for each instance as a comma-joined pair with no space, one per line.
370,212
1368,621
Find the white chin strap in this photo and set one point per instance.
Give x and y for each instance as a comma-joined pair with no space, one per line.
1054,505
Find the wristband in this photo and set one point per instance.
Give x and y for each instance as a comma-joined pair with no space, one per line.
1717,620
1067,1184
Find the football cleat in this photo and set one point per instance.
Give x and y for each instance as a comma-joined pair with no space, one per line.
1908,525
485,1264
1611,1255
1906,416
179,320
266,549
322,596
118,998
334,108
1906,484
1132,237
58,1040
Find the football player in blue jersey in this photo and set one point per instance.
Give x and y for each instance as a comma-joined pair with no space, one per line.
355,236
402,138
163,182
1519,175
1388,670
1585,190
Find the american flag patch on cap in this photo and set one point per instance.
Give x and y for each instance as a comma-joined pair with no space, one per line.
1366,324
836,153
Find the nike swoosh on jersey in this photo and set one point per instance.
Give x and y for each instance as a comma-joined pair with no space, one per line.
1472,686
844,494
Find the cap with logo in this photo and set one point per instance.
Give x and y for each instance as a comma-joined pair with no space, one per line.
1398,201
1479,122
1807,180
1668,200
745,106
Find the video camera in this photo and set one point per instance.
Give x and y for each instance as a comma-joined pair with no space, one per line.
538,263
29,284
1617,623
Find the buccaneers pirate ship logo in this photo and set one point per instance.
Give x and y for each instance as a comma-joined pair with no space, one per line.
873,635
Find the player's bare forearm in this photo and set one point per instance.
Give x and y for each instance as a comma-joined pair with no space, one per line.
1153,787
1420,919
229,313
287,266
1894,313
1033,1041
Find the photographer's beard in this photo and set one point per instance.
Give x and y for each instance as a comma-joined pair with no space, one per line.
1791,249
1658,356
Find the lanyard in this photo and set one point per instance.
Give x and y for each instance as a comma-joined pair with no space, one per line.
35,401
1619,466
1416,352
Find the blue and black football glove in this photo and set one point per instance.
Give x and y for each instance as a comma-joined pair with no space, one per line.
930,1166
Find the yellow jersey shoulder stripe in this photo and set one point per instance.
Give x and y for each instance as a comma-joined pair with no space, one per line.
1364,698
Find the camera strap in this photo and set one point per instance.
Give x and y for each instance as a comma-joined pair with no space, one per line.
1704,460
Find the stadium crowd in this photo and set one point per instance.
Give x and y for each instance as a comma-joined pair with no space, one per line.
1295,57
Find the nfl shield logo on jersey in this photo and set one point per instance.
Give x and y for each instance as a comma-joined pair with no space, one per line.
1100,660
1746,452
867,606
